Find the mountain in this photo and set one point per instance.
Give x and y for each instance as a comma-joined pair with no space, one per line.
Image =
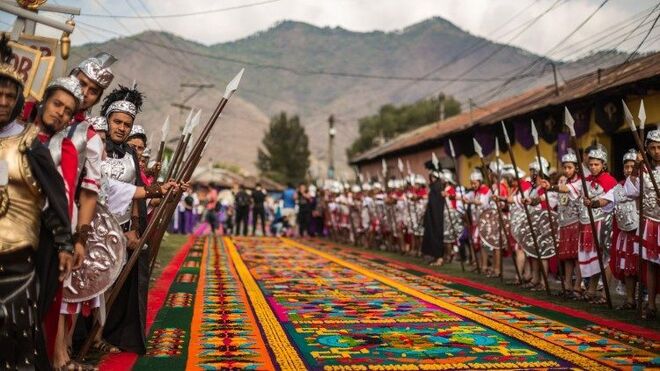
311,71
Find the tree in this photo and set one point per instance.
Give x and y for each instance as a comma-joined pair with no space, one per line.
391,121
285,154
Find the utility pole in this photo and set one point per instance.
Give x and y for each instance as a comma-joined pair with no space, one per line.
182,106
441,98
331,146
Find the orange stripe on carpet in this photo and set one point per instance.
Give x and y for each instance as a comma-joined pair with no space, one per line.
155,301
648,333
198,311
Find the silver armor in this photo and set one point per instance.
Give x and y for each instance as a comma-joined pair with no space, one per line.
569,210
121,169
595,191
651,209
104,259
625,210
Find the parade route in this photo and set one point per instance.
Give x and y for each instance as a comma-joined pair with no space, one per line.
266,303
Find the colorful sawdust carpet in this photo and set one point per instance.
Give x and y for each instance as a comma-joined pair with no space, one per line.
265,303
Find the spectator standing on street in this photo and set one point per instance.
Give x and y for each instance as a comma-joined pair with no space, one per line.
211,204
258,209
242,211
289,204
304,209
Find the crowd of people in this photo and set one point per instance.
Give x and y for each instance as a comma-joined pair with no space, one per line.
76,195
539,218
256,212
545,223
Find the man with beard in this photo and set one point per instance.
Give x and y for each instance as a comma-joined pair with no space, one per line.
80,149
36,250
76,152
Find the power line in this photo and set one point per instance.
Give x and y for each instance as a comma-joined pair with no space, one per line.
178,15
643,40
300,72
498,90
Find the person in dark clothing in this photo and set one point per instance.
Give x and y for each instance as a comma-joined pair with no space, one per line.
304,209
242,201
258,209
433,239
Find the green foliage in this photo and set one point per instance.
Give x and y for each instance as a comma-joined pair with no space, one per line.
392,121
229,167
285,154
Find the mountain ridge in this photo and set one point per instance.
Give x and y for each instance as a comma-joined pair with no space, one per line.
290,69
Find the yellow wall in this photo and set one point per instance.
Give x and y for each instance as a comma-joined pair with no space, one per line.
525,157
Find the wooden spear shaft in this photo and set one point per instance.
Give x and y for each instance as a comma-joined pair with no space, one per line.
640,278
502,233
468,222
594,231
151,227
550,217
159,156
175,157
500,219
528,216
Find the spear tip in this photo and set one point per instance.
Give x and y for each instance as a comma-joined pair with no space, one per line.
233,84
641,115
568,121
628,116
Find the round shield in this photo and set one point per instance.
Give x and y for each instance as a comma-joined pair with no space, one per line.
453,225
542,229
104,259
490,232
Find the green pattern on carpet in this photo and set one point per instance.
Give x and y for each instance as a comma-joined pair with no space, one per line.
169,337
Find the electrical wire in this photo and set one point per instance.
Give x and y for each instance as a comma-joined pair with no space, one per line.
179,15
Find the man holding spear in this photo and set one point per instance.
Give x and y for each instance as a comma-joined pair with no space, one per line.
650,225
593,226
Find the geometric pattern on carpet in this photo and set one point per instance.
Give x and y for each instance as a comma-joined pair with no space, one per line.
267,303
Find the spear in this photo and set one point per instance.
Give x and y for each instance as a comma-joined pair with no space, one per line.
535,136
526,209
163,131
640,279
175,158
569,122
186,142
640,145
436,162
160,210
499,194
405,196
468,222
500,217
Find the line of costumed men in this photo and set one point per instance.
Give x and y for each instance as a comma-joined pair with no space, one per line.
442,220
74,193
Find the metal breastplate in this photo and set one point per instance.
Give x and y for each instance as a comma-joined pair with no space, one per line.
651,209
21,197
123,170
569,210
79,140
599,214
77,133
625,210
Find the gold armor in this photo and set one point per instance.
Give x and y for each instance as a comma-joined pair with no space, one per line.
22,196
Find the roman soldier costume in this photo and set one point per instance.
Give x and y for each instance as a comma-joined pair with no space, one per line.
598,185
624,250
650,208
31,236
125,324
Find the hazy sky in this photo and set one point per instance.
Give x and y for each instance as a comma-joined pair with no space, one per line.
487,18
